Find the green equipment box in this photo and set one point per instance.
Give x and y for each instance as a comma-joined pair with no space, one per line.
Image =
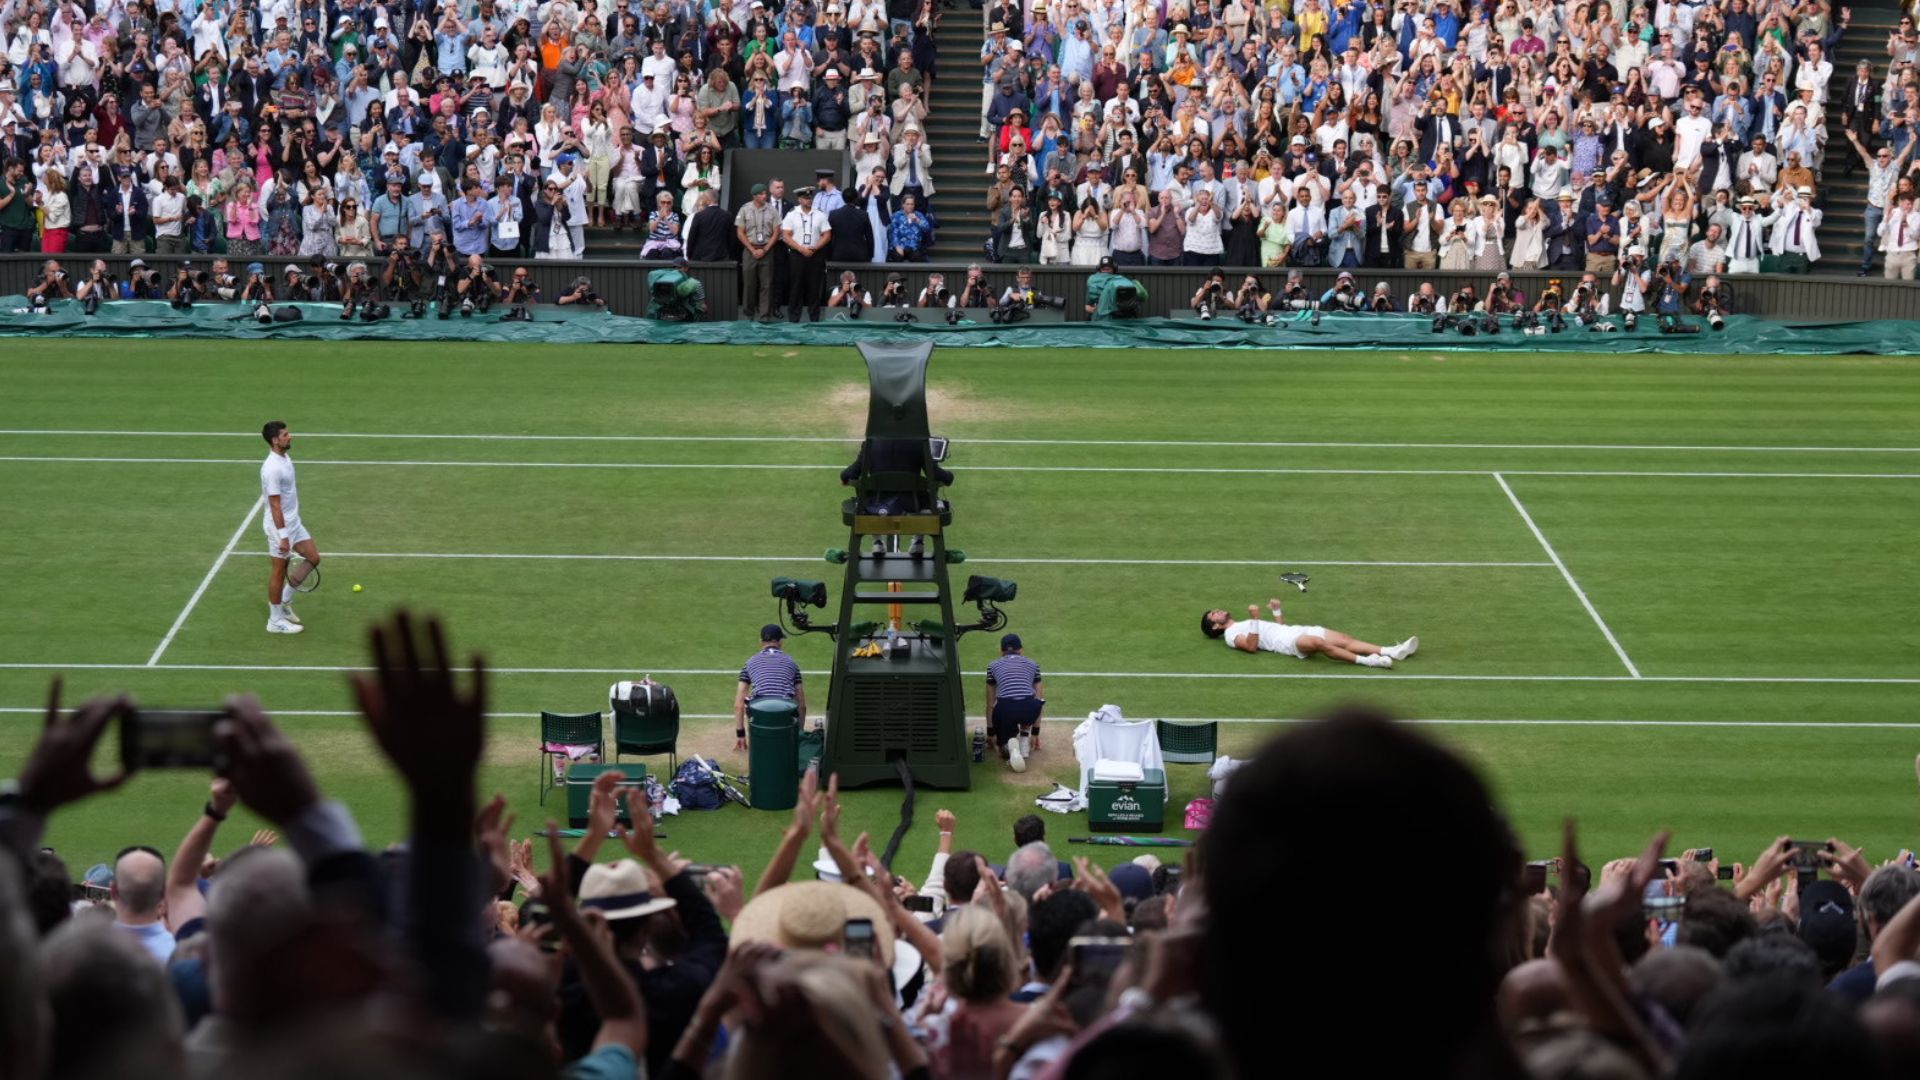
580,778
1119,806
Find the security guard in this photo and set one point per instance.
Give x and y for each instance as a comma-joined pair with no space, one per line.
806,234
769,673
1014,703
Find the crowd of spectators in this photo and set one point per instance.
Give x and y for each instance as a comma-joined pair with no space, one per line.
335,127
1435,133
464,951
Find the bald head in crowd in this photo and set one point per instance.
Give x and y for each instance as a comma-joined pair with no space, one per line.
139,887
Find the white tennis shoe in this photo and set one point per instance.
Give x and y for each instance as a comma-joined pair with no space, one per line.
282,626
1404,649
286,612
1379,660
1015,759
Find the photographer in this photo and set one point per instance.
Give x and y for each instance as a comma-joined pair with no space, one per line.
1251,300
1211,294
402,274
1635,280
1587,303
142,283
258,288
98,286
1670,284
1715,301
293,286
1552,298
1344,296
1503,298
187,287
894,293
849,296
51,286
477,287
936,294
1426,300
1464,301
1293,296
976,293
1023,295
1381,302
442,267
520,295
323,281
581,292
359,292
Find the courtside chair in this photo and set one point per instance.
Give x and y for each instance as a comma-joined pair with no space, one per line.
1189,743
642,730
560,730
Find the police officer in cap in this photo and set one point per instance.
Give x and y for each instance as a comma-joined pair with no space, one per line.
769,673
1014,703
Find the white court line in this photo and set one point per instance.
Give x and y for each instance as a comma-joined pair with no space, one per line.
1010,560
38,710
212,571
1203,443
1565,573
1395,676
788,467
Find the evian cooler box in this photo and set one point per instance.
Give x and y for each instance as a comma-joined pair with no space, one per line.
1126,799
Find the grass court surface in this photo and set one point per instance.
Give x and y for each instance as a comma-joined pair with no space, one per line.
1651,591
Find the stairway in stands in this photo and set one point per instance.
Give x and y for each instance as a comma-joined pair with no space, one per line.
953,128
1846,196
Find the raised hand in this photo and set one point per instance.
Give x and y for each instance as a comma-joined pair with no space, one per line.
830,811
1845,864
806,806
265,768
603,808
492,832
1093,881
726,887
430,729
59,770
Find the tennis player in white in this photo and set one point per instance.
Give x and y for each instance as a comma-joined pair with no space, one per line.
1255,634
285,534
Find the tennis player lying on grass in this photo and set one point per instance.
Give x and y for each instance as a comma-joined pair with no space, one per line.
1255,634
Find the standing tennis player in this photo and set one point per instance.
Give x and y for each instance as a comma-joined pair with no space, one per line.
285,534
1254,634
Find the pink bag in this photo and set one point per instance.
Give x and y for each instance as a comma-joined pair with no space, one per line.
1199,814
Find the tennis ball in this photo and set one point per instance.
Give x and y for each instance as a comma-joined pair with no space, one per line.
356,588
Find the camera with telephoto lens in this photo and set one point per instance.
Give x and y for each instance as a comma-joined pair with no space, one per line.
1422,304
1380,303
1715,319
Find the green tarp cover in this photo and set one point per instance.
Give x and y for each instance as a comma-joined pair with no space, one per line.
555,326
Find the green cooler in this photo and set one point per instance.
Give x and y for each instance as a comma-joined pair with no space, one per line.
1122,806
580,778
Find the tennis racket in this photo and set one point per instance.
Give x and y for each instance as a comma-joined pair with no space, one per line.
1296,579
303,581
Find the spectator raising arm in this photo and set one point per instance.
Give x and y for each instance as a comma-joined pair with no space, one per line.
615,998
780,867
184,902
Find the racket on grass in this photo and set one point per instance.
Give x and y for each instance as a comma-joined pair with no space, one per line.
1298,580
302,581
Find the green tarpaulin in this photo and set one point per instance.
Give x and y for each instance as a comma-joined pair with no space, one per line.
555,326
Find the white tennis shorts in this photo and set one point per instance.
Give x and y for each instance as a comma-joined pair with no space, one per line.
296,533
1290,638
